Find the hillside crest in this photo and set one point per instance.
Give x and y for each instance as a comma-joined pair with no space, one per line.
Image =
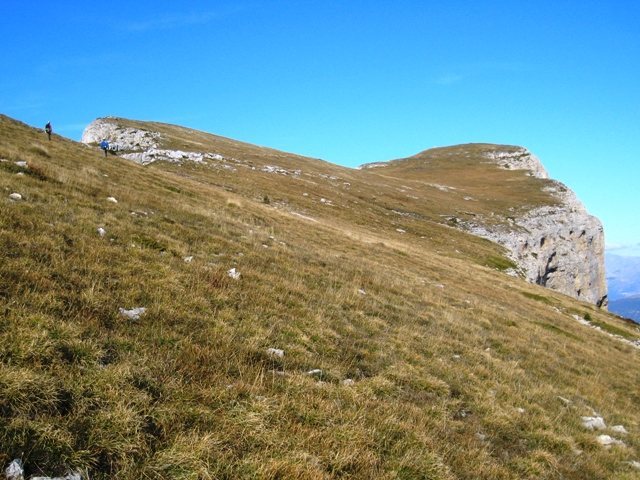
556,244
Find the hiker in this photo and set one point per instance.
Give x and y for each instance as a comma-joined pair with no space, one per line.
104,145
48,129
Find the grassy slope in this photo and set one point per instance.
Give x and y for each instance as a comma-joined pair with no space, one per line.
443,350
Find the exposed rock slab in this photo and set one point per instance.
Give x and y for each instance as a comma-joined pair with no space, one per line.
153,154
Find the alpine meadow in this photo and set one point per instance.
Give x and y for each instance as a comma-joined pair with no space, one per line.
205,309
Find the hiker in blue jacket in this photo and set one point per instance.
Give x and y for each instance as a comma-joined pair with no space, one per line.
104,145
48,129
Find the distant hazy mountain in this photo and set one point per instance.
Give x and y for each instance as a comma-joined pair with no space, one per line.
623,276
628,307
623,279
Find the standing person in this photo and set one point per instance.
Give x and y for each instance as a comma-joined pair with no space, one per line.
104,145
48,129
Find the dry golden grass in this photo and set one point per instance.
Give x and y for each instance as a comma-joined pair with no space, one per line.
442,349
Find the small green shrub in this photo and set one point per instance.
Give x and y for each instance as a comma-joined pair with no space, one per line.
148,242
499,263
539,298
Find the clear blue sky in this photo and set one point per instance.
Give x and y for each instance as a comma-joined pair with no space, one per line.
351,81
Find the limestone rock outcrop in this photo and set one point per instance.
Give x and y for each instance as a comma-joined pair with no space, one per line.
520,159
137,144
126,138
557,246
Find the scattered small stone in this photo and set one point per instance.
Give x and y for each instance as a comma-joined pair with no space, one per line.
112,200
14,471
15,196
361,291
520,410
464,413
456,356
233,273
635,464
315,372
347,382
133,314
584,321
481,436
68,476
275,352
20,174
566,401
593,423
619,429
400,230
101,231
188,259
22,164
607,441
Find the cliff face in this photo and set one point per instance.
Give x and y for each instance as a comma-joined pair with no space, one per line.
559,246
